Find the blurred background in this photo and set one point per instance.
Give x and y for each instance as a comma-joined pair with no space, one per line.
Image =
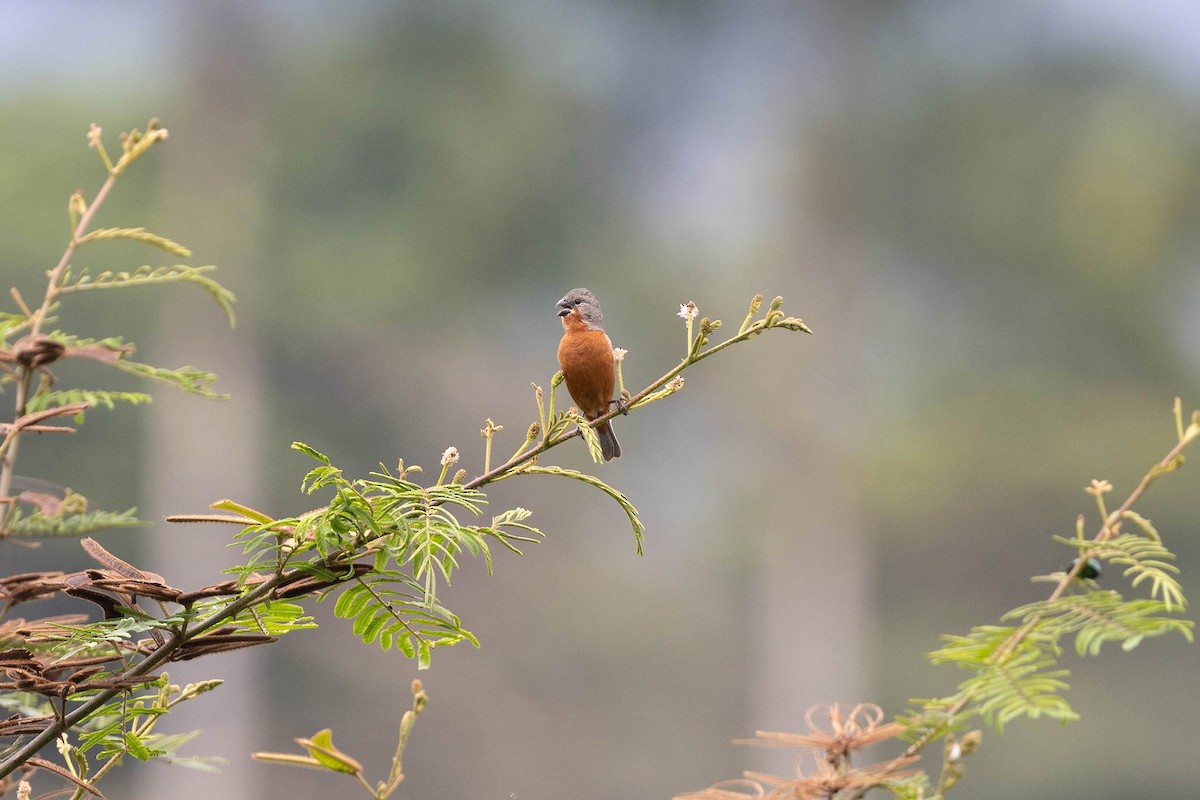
987,213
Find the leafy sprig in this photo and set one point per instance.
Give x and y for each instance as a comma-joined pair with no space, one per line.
89,397
30,357
1015,670
148,275
1145,559
37,524
322,754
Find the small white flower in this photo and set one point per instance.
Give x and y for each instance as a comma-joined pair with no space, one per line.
688,310
93,135
619,353
450,457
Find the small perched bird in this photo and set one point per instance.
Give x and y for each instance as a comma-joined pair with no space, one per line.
585,355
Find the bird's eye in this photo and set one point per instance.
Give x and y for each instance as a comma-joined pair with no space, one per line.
578,301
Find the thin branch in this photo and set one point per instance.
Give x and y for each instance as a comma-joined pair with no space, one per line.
771,321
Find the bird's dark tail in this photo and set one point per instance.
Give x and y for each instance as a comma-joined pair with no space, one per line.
610,448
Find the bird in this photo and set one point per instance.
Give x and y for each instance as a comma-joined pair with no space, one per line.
585,355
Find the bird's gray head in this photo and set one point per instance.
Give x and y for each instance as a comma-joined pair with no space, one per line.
582,303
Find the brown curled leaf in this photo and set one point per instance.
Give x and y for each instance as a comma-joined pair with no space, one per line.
16,725
96,551
207,645
108,604
62,772
30,586
34,351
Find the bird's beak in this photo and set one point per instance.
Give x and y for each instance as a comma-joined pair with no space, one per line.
563,307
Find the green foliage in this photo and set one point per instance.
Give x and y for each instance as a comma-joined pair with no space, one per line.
38,524
90,686
91,397
1145,559
127,727
270,617
1008,680
134,234
148,275
635,522
1100,616
188,379
324,755
1015,671
1023,683
974,650
589,436
321,748
12,321
412,539
400,618
66,640
1015,668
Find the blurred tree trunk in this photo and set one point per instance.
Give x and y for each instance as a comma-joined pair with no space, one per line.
202,451
813,593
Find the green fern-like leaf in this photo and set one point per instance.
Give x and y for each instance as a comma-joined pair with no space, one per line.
1145,559
635,521
1019,685
1102,616
557,424
389,608
188,379
40,526
93,397
151,276
65,641
416,542
272,617
513,519
589,436
113,350
1010,680
1146,526
930,718
137,235
978,648
431,548
111,729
